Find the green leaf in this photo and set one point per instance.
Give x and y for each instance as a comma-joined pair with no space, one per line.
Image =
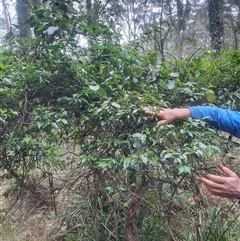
115,104
101,91
54,125
174,181
144,159
126,71
94,87
126,205
184,169
137,143
170,84
7,80
40,124
160,187
127,161
180,196
135,80
210,96
2,120
110,189
51,30
140,136
63,121
152,57
175,75
1,66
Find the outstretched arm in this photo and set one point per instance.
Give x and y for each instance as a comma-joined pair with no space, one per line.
224,119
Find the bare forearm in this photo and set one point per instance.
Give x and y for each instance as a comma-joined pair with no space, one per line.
181,113
224,119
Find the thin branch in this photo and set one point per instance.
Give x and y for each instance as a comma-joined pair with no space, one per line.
231,98
103,8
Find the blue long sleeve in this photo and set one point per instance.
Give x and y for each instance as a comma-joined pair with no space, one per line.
225,119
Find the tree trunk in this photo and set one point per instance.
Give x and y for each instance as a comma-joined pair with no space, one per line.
7,17
131,229
89,19
215,24
179,23
23,9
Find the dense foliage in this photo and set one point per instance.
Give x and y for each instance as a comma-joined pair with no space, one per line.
80,110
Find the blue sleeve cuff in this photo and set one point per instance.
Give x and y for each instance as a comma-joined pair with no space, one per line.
225,119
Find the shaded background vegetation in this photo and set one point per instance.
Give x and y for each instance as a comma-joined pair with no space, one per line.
77,151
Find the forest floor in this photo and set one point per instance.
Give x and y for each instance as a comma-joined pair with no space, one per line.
29,218
22,221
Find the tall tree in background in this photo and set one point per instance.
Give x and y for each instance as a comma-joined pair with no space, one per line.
7,17
215,24
233,24
179,21
23,9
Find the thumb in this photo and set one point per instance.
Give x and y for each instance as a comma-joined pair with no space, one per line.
162,122
227,171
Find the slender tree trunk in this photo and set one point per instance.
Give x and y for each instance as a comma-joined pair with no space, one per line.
161,35
131,229
235,34
215,24
179,27
179,23
7,17
89,19
23,9
238,26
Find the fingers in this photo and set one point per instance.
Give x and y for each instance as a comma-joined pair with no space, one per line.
216,192
157,114
211,184
150,112
227,171
162,122
163,115
216,179
219,179
213,188
223,186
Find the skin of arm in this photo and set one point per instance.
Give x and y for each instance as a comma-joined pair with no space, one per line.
168,115
222,186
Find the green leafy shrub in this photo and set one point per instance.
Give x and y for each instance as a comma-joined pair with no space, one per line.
137,177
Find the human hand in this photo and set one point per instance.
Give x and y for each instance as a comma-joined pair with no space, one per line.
228,186
166,116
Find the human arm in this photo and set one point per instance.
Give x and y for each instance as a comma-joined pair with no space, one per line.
224,119
226,186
